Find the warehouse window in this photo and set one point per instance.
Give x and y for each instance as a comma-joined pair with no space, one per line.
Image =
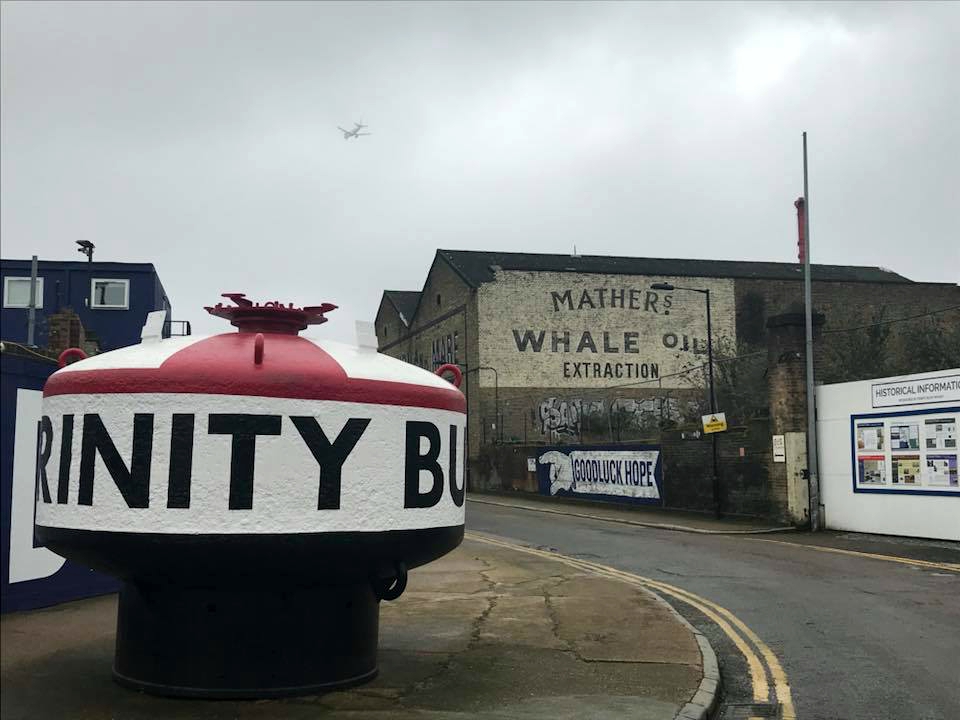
109,294
16,292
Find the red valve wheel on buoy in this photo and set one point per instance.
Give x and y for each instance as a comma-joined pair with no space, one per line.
259,493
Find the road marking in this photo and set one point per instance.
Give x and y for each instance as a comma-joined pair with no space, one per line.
758,676
780,683
717,613
951,567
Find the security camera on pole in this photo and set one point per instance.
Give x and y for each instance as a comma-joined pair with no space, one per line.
86,247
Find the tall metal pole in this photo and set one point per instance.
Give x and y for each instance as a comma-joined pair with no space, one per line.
713,408
32,311
812,470
713,392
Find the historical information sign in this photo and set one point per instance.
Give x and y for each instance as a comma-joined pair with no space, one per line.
940,389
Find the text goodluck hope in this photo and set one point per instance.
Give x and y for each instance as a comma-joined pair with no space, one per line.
133,482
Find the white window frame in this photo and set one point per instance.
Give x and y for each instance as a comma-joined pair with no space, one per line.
6,286
93,294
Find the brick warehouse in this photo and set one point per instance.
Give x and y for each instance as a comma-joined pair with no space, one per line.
575,349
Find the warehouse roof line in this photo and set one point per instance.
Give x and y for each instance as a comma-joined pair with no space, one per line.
477,267
405,302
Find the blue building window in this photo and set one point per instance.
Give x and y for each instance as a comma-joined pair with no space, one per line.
111,294
16,292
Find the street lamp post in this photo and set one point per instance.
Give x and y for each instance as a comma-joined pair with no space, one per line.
713,391
498,435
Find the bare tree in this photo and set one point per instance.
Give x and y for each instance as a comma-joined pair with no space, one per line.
885,348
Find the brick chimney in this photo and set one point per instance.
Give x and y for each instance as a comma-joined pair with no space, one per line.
65,330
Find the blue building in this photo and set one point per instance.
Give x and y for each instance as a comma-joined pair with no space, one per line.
112,299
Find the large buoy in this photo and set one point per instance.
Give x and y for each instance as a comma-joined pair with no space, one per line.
257,492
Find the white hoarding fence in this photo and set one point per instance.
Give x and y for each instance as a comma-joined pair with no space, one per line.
890,458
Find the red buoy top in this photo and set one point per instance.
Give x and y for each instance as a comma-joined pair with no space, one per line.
271,316
266,358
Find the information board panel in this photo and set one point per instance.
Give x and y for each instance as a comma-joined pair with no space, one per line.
913,452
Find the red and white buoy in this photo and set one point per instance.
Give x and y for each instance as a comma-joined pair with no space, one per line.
258,492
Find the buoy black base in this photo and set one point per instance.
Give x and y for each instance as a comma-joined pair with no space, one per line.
245,643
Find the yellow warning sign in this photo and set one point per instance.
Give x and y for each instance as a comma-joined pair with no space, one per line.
715,422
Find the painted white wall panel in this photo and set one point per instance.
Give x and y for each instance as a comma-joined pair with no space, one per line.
918,509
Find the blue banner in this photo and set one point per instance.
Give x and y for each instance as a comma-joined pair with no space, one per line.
31,576
619,473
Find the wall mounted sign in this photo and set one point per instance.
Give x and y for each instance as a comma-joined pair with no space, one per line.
779,448
630,473
714,422
912,452
571,330
941,389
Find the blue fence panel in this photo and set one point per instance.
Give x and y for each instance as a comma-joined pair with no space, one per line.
31,576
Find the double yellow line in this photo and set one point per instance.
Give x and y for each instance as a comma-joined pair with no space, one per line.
761,660
926,564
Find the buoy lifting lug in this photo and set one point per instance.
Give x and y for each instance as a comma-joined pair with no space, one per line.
391,587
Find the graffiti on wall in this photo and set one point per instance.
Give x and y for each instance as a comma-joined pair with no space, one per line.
561,417
635,411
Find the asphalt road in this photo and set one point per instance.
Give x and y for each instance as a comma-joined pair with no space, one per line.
857,637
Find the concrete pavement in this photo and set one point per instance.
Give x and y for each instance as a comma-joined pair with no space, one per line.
862,627
485,632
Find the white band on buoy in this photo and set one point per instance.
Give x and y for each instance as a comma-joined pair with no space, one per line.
223,464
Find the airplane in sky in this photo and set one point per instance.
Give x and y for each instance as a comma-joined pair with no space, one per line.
347,134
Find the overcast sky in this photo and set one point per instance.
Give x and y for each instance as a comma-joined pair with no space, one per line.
202,137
